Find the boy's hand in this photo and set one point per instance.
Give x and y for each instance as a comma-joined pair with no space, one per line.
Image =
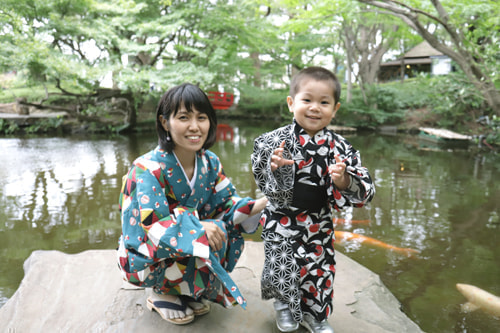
277,159
337,172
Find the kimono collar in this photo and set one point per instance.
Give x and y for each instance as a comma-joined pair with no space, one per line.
304,138
191,181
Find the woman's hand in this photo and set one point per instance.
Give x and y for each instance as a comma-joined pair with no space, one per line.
216,237
258,206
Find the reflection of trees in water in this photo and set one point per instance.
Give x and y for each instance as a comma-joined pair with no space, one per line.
58,194
438,202
235,158
54,215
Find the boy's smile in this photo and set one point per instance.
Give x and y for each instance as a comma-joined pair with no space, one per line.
314,105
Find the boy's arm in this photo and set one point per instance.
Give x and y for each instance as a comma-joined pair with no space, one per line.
276,185
360,189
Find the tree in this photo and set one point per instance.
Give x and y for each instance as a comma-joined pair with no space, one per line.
467,32
366,39
74,44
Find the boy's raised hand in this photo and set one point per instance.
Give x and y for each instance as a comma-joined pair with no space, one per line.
277,159
337,172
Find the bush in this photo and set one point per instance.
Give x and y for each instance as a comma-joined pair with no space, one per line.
455,100
492,132
7,127
384,107
412,93
263,102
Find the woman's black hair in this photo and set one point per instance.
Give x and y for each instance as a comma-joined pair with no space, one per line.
192,97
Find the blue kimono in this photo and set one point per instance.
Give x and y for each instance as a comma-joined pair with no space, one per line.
163,244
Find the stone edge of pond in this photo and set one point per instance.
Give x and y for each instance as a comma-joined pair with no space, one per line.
84,293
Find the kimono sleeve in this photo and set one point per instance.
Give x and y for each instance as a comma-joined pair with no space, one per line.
150,232
361,189
277,186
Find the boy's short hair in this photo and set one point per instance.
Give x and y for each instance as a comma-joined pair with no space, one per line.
192,97
318,74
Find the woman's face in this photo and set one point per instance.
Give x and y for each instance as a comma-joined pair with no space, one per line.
188,130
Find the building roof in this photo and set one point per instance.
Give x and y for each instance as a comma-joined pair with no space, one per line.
423,49
415,61
420,54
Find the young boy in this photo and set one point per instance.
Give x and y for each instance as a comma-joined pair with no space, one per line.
305,170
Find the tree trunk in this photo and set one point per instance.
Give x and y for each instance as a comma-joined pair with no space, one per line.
256,64
363,46
468,62
402,70
349,81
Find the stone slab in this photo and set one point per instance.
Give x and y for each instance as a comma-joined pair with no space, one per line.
84,293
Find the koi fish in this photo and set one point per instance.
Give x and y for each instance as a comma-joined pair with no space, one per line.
345,235
479,299
344,221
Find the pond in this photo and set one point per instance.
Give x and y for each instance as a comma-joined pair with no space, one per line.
61,193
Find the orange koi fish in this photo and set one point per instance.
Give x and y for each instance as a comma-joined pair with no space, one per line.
479,299
345,235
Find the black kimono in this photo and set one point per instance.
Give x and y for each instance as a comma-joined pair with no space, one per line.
297,223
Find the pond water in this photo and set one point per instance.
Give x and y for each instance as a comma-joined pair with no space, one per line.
61,193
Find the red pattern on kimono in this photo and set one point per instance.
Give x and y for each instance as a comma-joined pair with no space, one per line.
299,267
163,244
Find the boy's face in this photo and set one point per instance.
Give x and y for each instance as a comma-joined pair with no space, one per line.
314,106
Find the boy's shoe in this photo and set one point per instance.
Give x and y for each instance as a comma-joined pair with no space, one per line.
314,326
284,318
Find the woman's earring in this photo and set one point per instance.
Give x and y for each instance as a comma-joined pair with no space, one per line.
168,137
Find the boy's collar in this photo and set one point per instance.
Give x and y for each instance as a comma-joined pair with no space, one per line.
301,131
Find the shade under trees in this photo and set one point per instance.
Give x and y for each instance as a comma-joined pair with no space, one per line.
250,47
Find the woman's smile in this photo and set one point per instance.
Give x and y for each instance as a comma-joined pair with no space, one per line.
194,138
189,130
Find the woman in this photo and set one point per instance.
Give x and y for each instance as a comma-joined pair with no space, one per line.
181,217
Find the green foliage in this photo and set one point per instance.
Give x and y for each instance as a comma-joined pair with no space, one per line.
465,30
412,93
8,127
249,46
492,133
40,126
454,99
384,107
45,125
259,102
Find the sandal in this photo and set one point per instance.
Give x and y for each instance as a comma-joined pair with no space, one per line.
199,308
157,305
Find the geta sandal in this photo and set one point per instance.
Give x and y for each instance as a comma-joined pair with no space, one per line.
157,305
199,310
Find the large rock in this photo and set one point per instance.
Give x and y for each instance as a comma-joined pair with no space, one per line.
84,293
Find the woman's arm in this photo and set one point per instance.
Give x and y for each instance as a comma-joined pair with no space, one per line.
258,206
148,227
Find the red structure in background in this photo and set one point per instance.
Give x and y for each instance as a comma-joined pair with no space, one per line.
224,132
220,100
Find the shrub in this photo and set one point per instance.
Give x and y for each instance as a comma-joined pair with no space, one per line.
383,107
455,100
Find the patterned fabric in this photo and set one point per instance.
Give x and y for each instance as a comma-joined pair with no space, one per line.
163,244
297,222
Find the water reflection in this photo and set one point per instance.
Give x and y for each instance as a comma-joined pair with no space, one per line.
61,194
